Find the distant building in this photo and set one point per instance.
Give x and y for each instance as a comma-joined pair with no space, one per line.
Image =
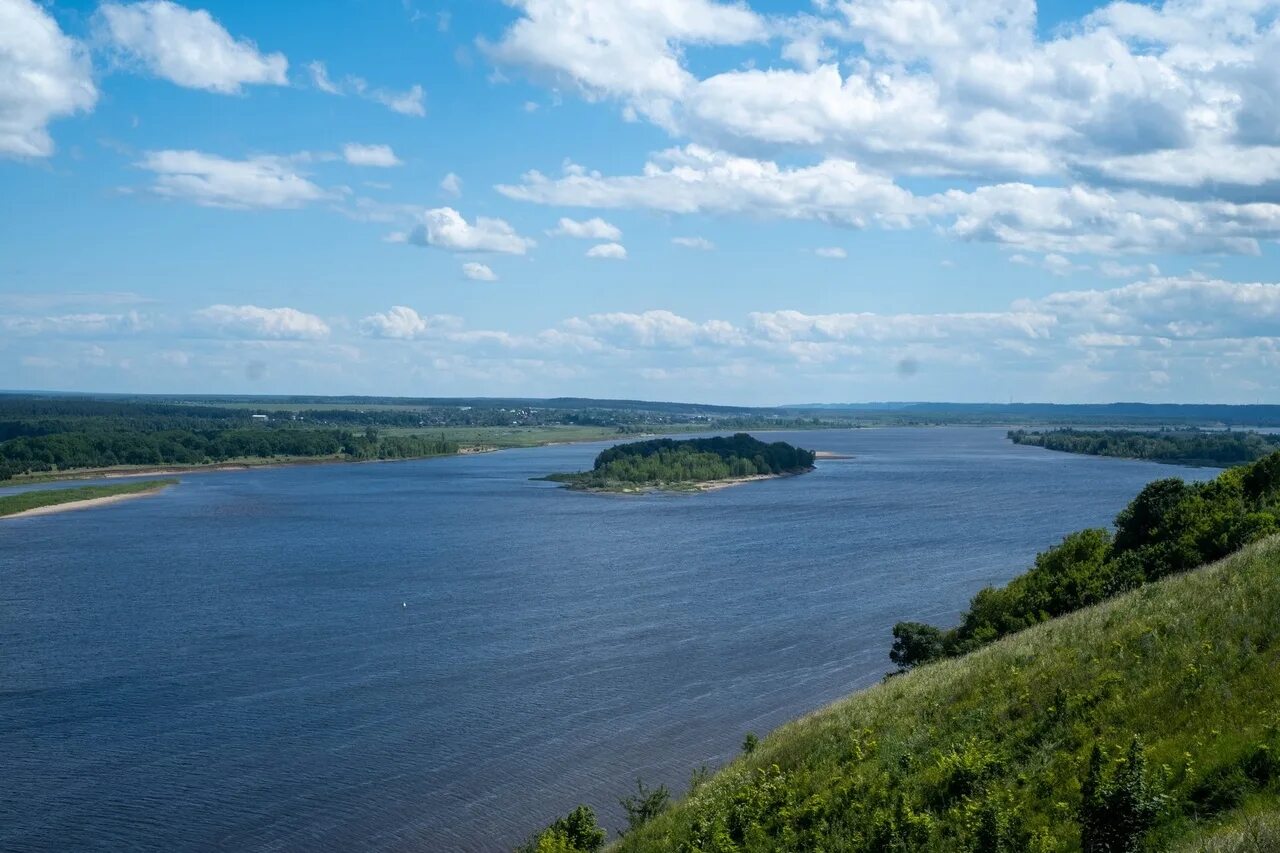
260,417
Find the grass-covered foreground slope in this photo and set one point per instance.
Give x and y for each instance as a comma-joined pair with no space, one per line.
27,501
992,751
665,463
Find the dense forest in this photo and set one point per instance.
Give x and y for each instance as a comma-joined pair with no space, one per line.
1149,722
38,436
666,461
1181,447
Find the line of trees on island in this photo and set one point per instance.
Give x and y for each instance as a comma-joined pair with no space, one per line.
665,460
1181,446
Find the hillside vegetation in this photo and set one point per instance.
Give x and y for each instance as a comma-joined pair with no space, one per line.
992,751
1145,721
1177,447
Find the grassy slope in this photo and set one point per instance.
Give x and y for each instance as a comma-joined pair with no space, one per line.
12,504
1191,664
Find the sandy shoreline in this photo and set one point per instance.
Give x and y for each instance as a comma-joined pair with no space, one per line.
89,503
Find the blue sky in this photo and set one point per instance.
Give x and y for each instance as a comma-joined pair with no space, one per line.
836,200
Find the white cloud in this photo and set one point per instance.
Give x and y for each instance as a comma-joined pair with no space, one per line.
250,321
1048,220
611,251
451,184
188,47
380,156
590,229
699,243
478,272
404,323
1175,308
1076,219
631,50
90,324
212,181
44,75
1175,95
321,80
699,180
834,252
1111,269
410,102
445,228
661,329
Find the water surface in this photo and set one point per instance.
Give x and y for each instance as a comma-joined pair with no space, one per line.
444,654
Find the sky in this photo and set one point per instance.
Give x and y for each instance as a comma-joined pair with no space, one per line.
778,202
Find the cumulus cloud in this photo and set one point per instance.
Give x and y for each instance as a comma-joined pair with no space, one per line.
1147,115
1059,220
379,156
188,47
44,75
611,251
699,243
1082,219
833,252
404,323
694,179
590,229
632,50
250,321
212,181
661,329
478,272
445,228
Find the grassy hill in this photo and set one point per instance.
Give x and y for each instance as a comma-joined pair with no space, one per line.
992,751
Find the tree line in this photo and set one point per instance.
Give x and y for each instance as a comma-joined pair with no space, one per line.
1183,446
106,447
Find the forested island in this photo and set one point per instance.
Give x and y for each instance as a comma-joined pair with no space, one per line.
1117,697
688,464
1173,446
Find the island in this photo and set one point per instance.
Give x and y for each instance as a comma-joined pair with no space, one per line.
695,464
47,501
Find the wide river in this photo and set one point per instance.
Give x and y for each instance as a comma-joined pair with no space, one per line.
444,654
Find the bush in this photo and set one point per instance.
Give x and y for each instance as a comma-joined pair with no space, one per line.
576,832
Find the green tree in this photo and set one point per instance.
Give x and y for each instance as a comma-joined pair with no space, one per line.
915,643
576,832
644,805
1117,809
